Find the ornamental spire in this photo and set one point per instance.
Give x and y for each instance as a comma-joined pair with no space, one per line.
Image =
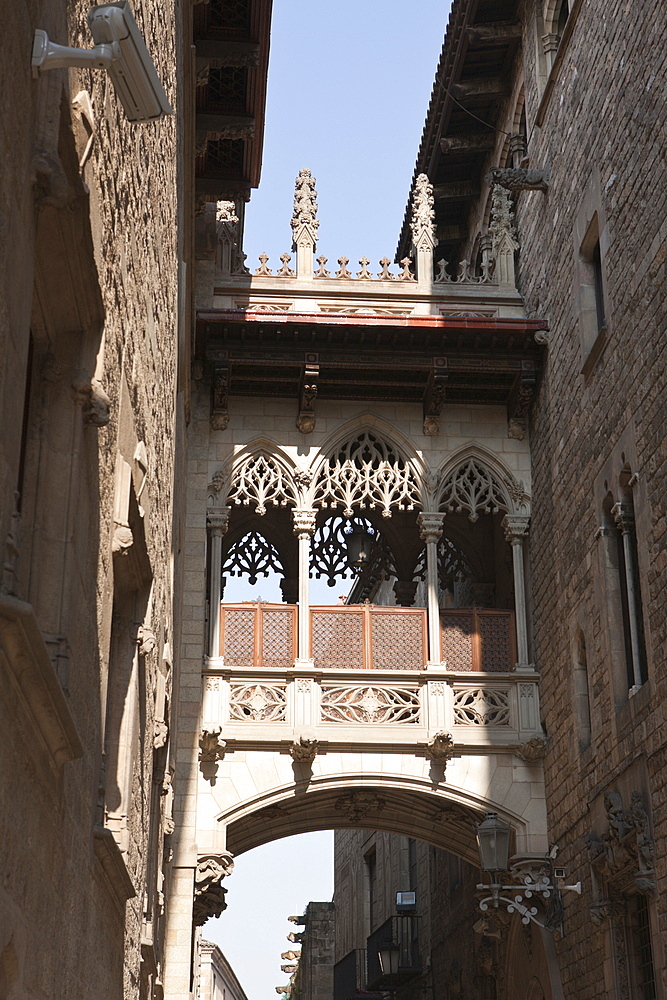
305,222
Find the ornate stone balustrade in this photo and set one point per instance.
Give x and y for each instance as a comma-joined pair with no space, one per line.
430,707
366,637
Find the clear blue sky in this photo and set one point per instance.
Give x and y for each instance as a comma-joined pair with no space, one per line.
349,85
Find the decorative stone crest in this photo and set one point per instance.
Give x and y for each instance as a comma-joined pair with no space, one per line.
359,805
304,751
532,750
209,898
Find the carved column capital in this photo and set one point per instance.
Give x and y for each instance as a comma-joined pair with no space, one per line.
515,527
217,520
304,522
430,526
623,514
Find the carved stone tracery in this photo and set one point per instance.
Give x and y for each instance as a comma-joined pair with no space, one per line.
260,480
473,488
367,473
369,705
252,556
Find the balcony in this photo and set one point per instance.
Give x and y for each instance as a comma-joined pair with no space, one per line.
368,679
397,935
366,637
349,976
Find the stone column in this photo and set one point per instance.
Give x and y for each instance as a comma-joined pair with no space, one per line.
516,527
430,531
304,529
217,521
624,516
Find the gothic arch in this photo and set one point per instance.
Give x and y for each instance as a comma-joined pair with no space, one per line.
260,473
393,802
366,470
497,490
381,429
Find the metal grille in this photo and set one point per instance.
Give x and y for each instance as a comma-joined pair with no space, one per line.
233,15
238,637
277,638
338,639
496,647
457,640
398,641
227,88
224,154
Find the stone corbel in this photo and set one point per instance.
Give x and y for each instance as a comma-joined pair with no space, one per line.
305,421
111,858
522,391
304,751
220,395
93,400
532,750
434,396
211,745
440,748
209,895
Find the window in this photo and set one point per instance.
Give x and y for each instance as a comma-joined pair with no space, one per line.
591,299
641,948
623,513
370,862
582,709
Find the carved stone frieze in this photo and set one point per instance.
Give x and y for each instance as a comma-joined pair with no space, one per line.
359,805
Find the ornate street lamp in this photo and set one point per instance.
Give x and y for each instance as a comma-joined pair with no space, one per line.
359,544
389,955
493,839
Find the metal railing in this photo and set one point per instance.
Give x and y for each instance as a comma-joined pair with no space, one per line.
400,933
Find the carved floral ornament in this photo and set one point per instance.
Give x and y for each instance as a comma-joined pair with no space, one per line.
368,473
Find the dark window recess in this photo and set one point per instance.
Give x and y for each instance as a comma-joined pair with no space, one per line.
641,947
596,262
627,573
24,426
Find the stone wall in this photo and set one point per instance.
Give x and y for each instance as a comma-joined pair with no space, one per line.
88,338
603,137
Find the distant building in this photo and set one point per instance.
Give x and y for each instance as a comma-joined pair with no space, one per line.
217,979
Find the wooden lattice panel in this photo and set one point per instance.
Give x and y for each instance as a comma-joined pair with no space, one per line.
237,635
458,634
278,635
496,641
398,640
338,639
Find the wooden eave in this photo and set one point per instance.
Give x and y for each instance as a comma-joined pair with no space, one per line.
375,357
230,134
472,79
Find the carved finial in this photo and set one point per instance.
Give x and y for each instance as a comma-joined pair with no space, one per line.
442,275
263,261
503,234
322,271
304,217
364,273
286,271
423,215
406,274
385,274
343,273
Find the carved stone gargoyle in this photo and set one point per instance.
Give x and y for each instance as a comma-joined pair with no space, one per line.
211,750
518,178
209,897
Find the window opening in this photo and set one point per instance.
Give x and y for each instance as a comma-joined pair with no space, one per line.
641,947
581,693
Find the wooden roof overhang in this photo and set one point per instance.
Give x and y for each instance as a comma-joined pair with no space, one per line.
383,358
231,39
472,81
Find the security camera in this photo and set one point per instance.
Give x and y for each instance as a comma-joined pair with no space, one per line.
120,49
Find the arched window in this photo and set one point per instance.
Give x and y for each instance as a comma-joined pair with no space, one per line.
582,708
623,512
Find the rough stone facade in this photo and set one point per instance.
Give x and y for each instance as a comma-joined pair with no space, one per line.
313,979
89,345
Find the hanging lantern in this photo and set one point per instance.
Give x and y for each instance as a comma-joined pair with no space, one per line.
493,839
359,544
